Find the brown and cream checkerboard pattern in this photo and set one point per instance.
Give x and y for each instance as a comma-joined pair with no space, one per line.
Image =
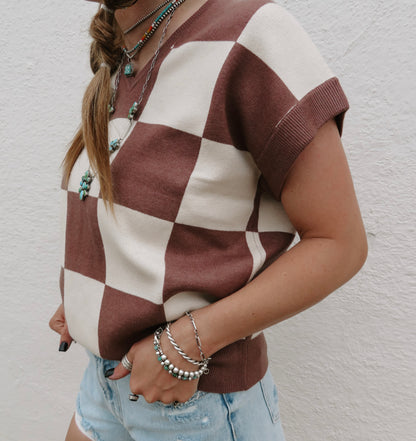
236,95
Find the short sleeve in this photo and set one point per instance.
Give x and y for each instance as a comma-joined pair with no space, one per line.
282,92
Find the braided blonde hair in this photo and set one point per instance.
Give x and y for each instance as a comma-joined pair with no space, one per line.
105,56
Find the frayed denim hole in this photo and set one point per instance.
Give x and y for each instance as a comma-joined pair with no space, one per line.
199,394
190,411
85,424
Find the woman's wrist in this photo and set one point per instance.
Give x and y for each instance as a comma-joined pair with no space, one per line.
184,333
176,359
186,370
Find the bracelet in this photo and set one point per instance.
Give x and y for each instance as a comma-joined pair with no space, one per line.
176,346
169,367
198,340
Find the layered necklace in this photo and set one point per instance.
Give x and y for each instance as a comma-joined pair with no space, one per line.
131,53
115,144
143,19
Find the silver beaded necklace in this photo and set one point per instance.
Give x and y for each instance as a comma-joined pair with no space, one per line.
143,19
131,53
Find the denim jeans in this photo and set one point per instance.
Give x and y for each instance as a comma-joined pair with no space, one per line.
104,412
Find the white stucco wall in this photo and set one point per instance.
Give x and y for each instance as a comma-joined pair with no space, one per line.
344,368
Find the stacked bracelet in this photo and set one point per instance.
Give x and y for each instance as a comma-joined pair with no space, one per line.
181,352
170,368
198,340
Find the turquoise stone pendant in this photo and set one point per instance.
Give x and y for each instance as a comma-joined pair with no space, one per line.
84,185
128,70
114,145
133,110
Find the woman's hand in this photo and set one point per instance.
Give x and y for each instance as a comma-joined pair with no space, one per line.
58,324
149,379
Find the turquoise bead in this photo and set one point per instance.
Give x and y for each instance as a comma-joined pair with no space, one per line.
114,145
132,111
128,70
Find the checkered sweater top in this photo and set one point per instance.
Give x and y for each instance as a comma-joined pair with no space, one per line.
236,94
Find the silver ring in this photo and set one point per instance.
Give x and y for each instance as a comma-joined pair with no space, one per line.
126,363
133,397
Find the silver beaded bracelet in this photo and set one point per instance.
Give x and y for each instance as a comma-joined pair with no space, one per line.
169,367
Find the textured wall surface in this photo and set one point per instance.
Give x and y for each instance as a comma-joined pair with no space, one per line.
344,368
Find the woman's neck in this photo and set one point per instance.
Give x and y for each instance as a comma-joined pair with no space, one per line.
129,16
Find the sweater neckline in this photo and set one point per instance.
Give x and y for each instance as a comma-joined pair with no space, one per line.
166,46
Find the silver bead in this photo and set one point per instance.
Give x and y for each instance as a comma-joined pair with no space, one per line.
175,370
181,372
200,372
186,374
167,362
171,367
164,357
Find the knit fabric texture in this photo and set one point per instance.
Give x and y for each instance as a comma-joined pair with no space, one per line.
238,91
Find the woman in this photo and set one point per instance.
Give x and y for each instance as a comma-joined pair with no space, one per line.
222,127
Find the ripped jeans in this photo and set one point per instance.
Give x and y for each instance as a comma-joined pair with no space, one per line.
105,413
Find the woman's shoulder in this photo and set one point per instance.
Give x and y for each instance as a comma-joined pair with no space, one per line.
238,8
270,32
228,20
243,11
253,24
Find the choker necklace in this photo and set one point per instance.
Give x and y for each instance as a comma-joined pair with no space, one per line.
115,144
143,19
131,53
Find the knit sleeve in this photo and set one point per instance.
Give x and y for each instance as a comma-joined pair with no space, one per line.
282,92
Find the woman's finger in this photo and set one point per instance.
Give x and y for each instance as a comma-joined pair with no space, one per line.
120,371
66,339
57,321
58,324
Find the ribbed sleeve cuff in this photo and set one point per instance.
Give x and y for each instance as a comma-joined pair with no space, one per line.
297,129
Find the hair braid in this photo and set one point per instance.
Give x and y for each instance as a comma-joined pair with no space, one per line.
105,56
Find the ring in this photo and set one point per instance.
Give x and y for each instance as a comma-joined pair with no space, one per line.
133,397
126,363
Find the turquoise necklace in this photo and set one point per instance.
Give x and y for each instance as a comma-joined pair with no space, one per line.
143,19
131,53
115,144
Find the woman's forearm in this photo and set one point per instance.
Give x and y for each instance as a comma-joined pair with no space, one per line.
300,278
320,201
